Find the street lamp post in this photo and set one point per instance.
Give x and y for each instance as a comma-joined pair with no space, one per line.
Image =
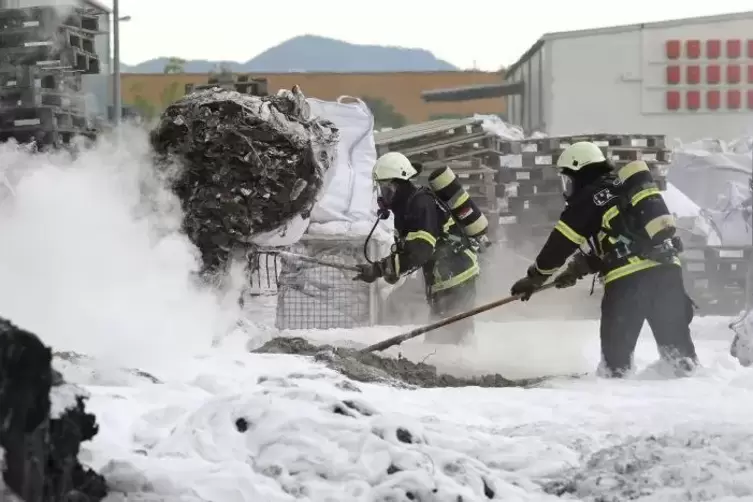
116,96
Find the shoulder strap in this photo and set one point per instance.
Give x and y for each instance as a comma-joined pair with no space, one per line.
445,209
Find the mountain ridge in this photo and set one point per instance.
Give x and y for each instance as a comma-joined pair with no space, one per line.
313,53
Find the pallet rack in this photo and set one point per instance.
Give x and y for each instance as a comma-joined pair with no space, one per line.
43,55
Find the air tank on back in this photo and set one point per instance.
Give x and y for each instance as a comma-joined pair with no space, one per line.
447,187
643,194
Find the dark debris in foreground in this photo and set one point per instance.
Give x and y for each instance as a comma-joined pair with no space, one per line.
370,367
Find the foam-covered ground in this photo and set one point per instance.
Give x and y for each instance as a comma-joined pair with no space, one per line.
241,427
186,413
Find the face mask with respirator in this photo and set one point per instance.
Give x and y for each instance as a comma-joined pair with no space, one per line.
386,195
567,185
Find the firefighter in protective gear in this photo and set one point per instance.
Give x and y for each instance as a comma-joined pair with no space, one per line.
426,237
622,222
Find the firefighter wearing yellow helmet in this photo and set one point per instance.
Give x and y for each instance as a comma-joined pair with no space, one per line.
426,237
621,222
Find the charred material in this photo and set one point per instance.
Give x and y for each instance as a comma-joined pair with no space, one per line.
249,164
40,461
370,367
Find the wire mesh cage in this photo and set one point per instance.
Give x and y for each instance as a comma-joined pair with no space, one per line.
312,296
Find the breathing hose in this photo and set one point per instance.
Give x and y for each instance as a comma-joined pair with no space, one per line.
382,214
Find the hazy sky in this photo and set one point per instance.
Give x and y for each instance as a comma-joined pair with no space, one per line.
482,33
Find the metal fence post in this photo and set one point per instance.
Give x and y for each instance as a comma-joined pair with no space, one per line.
375,297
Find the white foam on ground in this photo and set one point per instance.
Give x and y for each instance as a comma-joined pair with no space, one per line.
179,441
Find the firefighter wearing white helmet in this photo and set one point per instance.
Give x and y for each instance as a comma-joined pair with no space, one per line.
617,225
394,166
426,238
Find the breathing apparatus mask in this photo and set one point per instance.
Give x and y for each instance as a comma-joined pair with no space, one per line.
386,191
567,184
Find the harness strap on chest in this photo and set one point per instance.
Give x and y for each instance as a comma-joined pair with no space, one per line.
625,237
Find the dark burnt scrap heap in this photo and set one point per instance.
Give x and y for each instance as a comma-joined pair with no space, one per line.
43,52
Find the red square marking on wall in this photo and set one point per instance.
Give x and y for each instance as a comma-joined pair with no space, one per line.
713,74
750,49
733,99
734,48
713,100
713,49
673,100
750,99
693,74
734,75
750,73
693,100
673,74
693,49
673,49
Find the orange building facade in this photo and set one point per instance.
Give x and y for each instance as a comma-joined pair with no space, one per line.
401,90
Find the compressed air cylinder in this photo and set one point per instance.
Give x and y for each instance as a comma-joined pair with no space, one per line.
645,201
446,186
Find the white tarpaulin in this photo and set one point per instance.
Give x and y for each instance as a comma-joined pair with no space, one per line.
716,176
703,170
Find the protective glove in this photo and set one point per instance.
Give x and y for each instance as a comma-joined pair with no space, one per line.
567,279
577,269
368,272
528,284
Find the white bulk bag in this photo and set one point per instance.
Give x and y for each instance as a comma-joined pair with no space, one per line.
348,193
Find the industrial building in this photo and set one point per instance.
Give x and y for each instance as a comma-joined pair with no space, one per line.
686,78
402,90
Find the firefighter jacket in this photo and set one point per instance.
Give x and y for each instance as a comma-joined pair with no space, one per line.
593,219
427,237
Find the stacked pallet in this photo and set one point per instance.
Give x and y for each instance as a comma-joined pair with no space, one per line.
461,144
244,84
43,54
717,277
531,189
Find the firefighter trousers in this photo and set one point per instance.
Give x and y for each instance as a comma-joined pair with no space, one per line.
450,302
656,295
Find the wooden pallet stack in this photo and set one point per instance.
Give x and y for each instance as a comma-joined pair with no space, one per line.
461,144
244,84
531,190
43,53
717,277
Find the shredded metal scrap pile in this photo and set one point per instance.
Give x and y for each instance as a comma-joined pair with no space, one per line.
251,164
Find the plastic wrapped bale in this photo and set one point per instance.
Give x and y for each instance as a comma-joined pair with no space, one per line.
42,425
311,296
704,169
250,164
